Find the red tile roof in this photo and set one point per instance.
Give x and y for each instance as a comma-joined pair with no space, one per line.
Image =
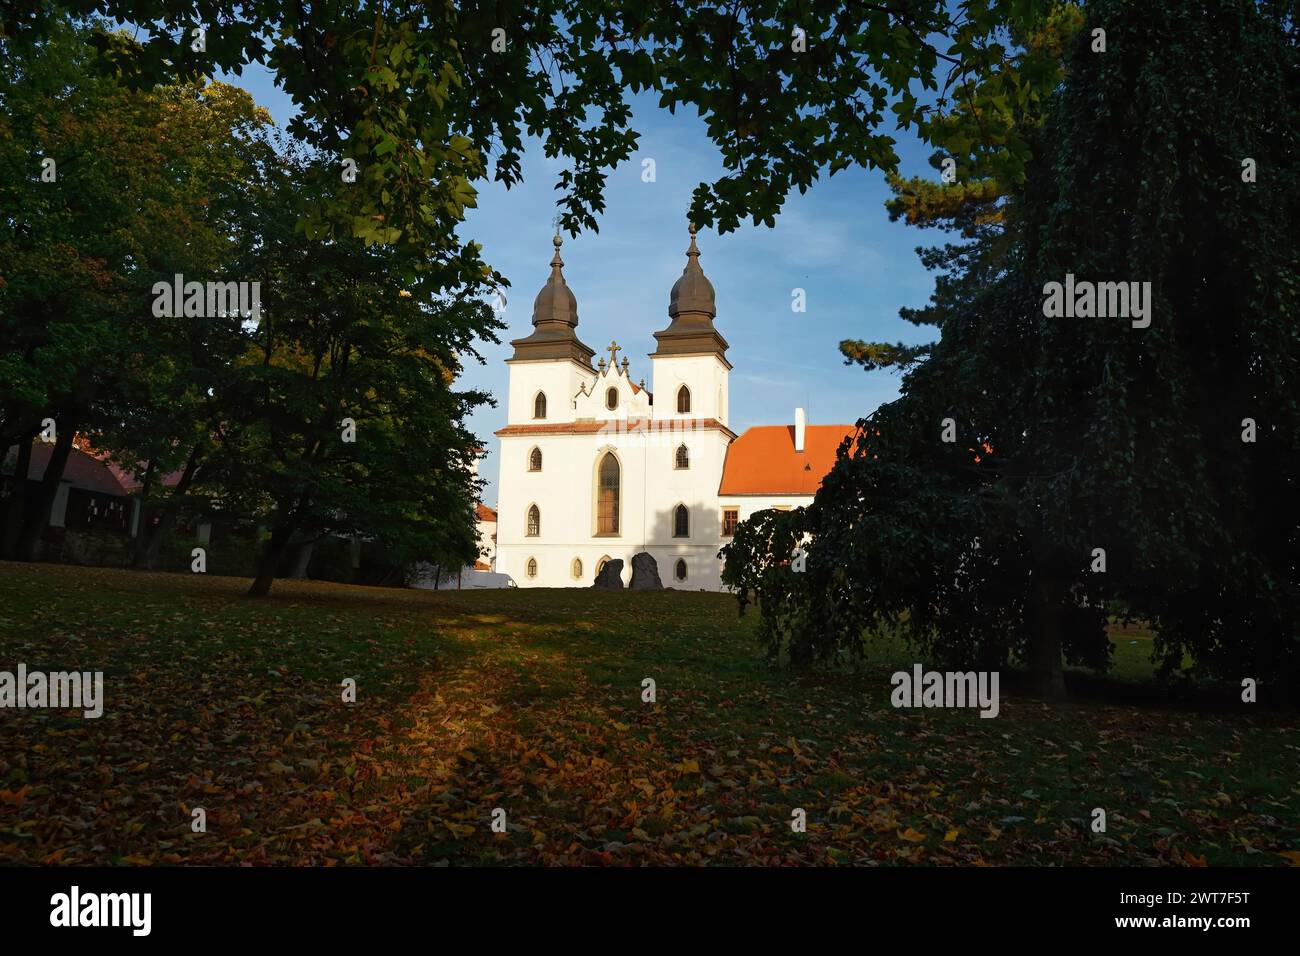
484,513
87,469
84,471
763,461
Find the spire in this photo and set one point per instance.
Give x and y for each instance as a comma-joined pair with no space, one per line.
692,308
555,317
693,292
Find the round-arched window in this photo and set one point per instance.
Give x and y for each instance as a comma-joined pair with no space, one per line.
607,495
611,398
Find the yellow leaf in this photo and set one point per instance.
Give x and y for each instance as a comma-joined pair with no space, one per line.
912,836
618,726
951,835
689,766
641,834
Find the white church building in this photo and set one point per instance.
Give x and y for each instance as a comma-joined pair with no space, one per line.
595,466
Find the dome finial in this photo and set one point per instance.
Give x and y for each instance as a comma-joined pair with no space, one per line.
694,250
555,317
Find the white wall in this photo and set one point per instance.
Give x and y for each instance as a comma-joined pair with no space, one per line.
705,375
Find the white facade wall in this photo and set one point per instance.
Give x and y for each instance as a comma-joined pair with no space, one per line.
704,375
644,439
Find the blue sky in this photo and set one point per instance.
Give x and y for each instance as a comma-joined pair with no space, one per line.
836,242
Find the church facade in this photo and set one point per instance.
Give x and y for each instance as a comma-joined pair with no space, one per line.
594,466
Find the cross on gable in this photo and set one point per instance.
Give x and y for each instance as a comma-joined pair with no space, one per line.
614,349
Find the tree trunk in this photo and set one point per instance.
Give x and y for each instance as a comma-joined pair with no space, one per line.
16,508
302,552
1047,677
149,543
270,560
38,511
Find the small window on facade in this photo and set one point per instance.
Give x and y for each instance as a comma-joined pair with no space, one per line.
730,519
577,569
679,571
534,522
535,460
681,522
539,405
683,400
683,459
532,567
611,398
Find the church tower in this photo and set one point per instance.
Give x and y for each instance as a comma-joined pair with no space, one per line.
690,362
551,365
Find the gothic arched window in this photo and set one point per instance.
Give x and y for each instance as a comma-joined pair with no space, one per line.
679,571
683,457
532,567
535,460
534,521
577,569
683,400
607,489
681,522
539,405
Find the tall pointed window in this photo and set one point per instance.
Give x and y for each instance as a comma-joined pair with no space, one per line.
532,567
681,522
683,400
534,521
539,405
535,460
680,570
607,495
683,457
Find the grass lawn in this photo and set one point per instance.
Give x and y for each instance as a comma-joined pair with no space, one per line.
530,701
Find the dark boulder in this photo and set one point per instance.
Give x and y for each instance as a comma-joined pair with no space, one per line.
645,573
611,576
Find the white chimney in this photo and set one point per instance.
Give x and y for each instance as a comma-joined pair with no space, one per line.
798,429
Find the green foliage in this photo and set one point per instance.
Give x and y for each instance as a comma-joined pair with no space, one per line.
420,98
1076,434
339,338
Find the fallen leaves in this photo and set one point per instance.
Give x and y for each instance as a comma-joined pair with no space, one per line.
528,702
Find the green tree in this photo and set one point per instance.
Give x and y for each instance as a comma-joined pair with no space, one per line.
342,416
430,98
1078,434
141,187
